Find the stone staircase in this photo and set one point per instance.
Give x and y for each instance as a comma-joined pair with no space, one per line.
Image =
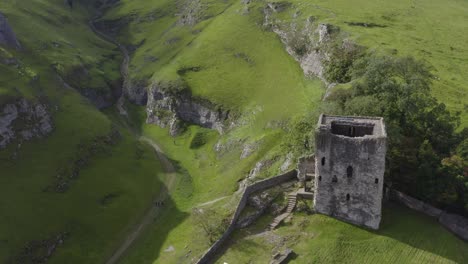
292,200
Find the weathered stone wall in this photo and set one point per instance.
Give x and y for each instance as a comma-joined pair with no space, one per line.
306,165
454,223
258,186
355,198
414,203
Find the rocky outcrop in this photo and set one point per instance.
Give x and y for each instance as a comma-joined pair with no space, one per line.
249,149
101,98
135,92
190,12
171,102
319,48
85,152
306,46
40,251
7,36
259,202
24,120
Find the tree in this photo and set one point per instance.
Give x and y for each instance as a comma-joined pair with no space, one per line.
210,222
421,131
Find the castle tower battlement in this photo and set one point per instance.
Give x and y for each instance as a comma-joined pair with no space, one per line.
349,168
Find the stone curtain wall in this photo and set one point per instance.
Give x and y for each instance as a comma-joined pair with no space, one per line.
258,186
454,223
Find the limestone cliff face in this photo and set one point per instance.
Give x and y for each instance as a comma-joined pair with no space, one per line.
23,120
7,36
306,45
167,107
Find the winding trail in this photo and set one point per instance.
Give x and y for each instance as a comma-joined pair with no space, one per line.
212,201
153,211
168,168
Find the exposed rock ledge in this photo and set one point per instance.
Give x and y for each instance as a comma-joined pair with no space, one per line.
169,103
7,36
23,120
308,46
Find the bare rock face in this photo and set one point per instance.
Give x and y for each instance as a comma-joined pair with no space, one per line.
100,98
168,102
249,149
190,12
136,92
7,36
23,120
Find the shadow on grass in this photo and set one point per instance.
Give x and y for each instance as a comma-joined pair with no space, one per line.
148,247
167,216
238,239
423,232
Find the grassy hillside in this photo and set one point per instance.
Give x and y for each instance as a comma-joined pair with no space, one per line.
111,180
429,30
241,66
404,237
59,38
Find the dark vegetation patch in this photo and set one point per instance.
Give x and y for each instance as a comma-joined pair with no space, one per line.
199,140
139,151
365,24
210,223
149,58
245,57
174,87
109,198
172,40
84,154
40,251
186,69
342,57
279,6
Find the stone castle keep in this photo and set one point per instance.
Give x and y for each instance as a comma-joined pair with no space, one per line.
349,168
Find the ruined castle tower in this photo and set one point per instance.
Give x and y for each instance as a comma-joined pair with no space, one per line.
349,168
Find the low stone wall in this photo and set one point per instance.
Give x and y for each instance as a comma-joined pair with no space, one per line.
415,204
454,223
258,186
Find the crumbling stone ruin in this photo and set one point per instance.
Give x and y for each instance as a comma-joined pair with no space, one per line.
349,168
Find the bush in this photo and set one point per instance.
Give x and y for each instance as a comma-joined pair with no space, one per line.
338,68
198,140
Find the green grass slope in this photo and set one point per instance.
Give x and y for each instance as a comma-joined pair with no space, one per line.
114,184
430,30
59,37
242,67
405,236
